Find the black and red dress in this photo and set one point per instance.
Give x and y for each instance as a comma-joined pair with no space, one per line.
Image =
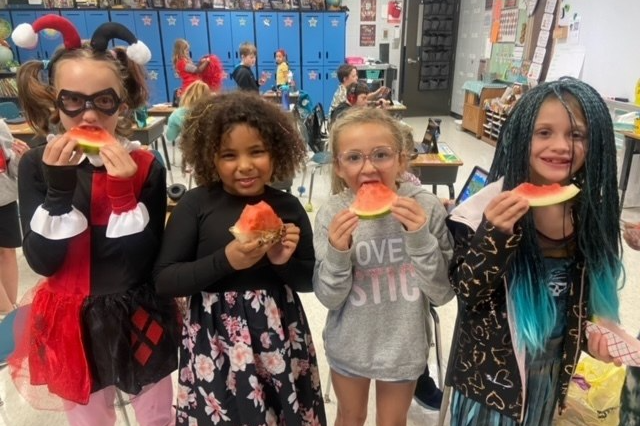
94,320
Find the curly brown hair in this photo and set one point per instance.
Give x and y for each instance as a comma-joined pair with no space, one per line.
213,117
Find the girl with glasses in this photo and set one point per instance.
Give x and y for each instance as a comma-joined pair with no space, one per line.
92,227
377,277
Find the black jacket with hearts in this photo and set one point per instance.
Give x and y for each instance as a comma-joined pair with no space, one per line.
484,363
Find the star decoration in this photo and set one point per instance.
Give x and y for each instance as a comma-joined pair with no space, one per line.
335,23
243,22
153,75
195,21
146,21
171,21
288,22
266,22
220,21
313,75
312,22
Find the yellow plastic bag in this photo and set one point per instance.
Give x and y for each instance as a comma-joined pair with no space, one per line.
599,405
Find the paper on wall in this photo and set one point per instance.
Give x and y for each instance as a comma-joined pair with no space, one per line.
543,38
550,6
547,20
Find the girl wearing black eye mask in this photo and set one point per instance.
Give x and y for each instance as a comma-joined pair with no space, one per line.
92,226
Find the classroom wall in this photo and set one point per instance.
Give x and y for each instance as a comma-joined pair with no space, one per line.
609,30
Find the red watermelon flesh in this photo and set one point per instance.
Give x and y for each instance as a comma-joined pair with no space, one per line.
373,200
91,138
546,195
258,221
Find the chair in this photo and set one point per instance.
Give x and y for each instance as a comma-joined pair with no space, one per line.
438,346
9,110
309,129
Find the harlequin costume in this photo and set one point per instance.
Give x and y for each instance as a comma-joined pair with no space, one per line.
95,320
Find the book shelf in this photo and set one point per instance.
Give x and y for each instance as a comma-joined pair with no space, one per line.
491,127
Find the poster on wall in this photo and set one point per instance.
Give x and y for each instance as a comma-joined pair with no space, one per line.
394,12
367,35
488,4
508,25
509,4
368,10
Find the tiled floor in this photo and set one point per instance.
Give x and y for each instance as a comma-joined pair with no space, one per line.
15,412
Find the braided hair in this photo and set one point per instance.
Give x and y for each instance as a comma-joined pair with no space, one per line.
595,214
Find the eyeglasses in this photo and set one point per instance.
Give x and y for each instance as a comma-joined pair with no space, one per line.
73,103
381,158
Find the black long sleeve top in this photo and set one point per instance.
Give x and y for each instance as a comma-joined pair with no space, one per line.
192,257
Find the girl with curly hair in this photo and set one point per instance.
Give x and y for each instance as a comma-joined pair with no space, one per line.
247,356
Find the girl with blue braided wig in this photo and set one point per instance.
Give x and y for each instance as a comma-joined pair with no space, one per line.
528,278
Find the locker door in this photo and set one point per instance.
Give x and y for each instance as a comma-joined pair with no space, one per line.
50,40
78,20
227,82
173,81
172,28
95,18
157,84
241,31
330,86
219,24
125,18
312,38
195,31
147,29
334,36
266,38
313,84
269,72
19,17
289,36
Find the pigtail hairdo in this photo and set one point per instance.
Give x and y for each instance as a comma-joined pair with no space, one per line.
36,98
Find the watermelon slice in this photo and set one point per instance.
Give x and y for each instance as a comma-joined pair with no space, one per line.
258,221
373,200
91,138
546,195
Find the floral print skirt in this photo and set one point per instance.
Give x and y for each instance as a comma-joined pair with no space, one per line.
247,358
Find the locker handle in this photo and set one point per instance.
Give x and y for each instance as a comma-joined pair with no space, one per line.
228,55
319,55
326,55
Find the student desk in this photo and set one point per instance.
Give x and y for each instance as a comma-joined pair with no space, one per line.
438,169
631,148
161,110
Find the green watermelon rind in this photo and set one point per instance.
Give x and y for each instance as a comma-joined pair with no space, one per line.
556,194
371,215
90,147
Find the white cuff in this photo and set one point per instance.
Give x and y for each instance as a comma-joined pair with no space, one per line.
128,223
58,227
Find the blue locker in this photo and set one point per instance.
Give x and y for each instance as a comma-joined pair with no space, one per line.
228,83
6,16
312,30
95,18
50,40
157,84
172,27
147,29
313,83
125,18
289,36
334,38
269,72
220,44
242,31
173,81
79,21
266,38
297,75
195,31
331,84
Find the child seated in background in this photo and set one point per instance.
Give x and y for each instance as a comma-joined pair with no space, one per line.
194,92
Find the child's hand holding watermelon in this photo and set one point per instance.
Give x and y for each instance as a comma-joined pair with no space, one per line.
409,213
505,210
341,230
243,255
280,252
631,235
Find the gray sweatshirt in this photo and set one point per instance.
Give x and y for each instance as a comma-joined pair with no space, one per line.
378,292
8,182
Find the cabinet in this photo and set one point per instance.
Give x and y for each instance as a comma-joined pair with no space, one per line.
323,51
189,25
473,113
277,30
86,21
492,126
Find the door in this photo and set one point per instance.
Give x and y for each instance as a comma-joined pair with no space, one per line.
266,40
289,37
429,34
220,37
